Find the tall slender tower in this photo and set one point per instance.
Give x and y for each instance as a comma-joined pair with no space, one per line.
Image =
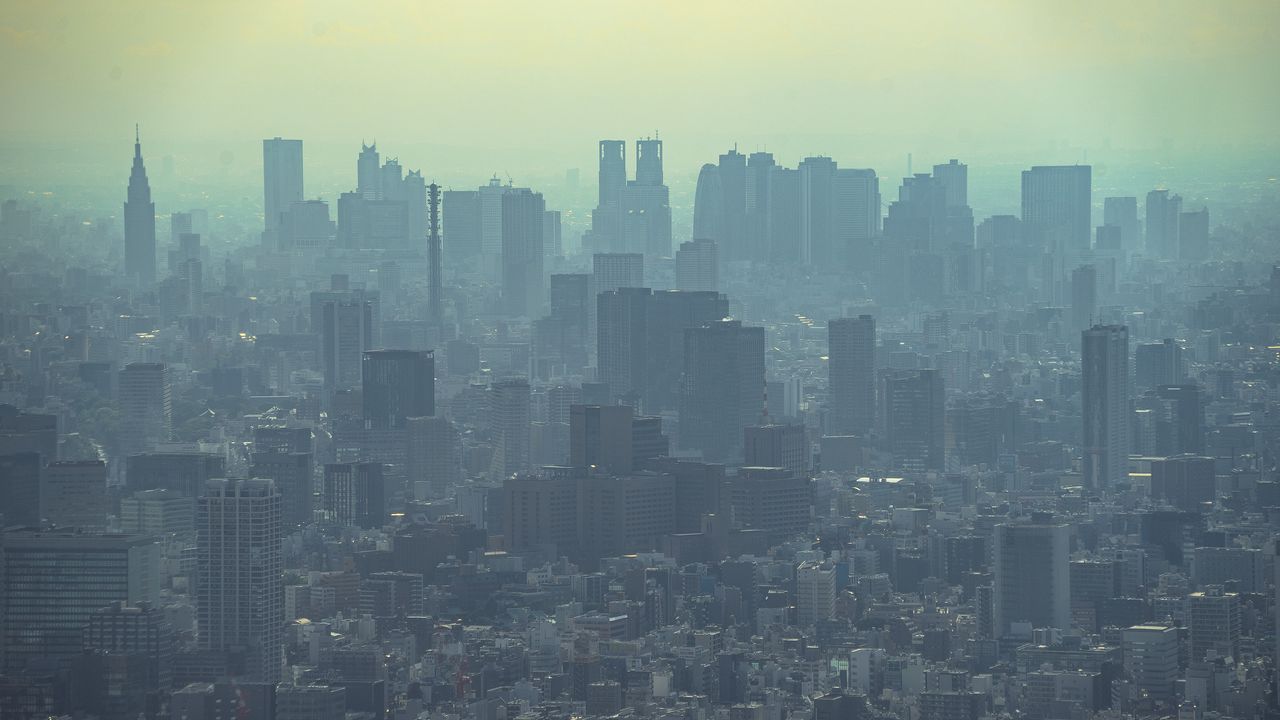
1104,351
435,299
139,222
851,372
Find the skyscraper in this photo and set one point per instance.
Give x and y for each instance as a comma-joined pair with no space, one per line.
397,384
239,593
1056,207
954,176
146,411
600,436
697,265
816,221
759,205
1163,211
139,223
733,187
354,494
346,332
1193,236
815,593
1032,576
509,426
610,271
914,418
523,293
1122,212
722,390
292,473
369,173
73,493
851,351
855,214
20,489
1214,618
281,178
1084,297
648,161
1105,376
708,205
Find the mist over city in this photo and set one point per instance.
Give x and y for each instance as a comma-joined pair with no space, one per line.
642,361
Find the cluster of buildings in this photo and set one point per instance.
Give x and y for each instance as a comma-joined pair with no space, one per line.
817,461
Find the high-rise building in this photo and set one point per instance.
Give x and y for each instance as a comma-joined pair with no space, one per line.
552,238
369,173
781,446
1157,364
354,494
1105,378
610,271
139,223
708,205
292,473
564,333
1193,236
20,489
1151,660
697,266
523,293
239,590
1032,576
1122,213
28,432
954,177
1084,297
281,178
140,637
1056,208
722,390
1187,482
346,329
1213,617
509,426
621,332
855,198
816,217
184,473
432,457
733,187
915,417
56,581
1163,211
146,409
159,512
600,436
397,384
613,171
73,493
759,205
1186,418
461,224
815,593
851,372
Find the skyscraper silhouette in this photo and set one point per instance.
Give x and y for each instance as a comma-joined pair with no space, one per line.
139,222
281,178
1104,354
851,351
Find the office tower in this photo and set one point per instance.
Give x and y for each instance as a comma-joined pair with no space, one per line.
1214,619
759,205
239,592
781,446
914,417
816,217
624,514
346,331
140,640
413,193
646,208
1193,236
600,437
509,426
304,225
22,431
855,198
1084,297
621,333
432,454
57,580
73,493
1104,361
815,593
523,293
292,473
541,509
697,266
851,373
770,499
572,308
1187,482
139,223
1032,576
1245,568
954,177
1157,364
1163,211
613,171
552,241
281,178
1122,213
1151,660
490,200
610,271
461,224
722,390
20,489
784,211
146,410
311,702
435,258
354,494
369,173
1186,418
733,186
397,384
1056,208
647,440
185,473
649,161
708,205
917,220
162,513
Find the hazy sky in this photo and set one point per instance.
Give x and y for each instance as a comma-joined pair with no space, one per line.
540,81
